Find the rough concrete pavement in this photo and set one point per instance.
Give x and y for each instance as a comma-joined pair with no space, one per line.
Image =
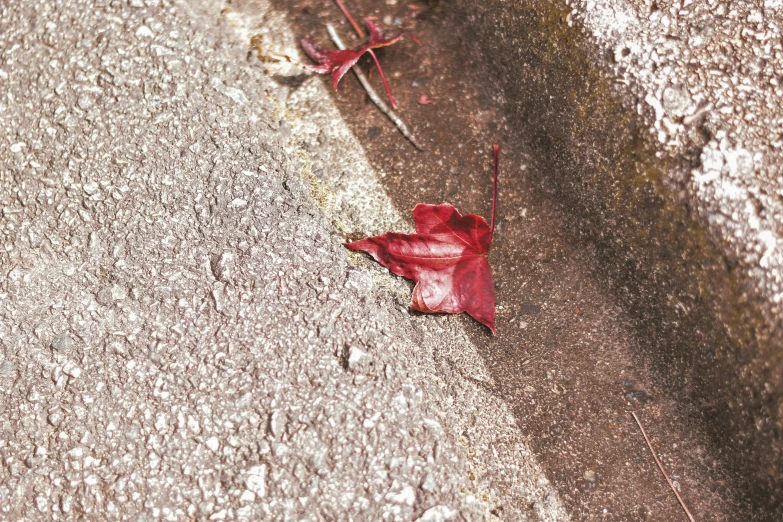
183,335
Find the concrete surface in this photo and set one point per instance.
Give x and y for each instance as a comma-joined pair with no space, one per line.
712,67
657,125
183,335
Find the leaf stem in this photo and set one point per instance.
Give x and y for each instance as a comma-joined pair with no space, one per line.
374,95
383,79
350,18
495,150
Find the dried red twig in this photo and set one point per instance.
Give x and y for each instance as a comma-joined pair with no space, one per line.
350,18
660,466
374,95
383,79
375,36
360,33
338,62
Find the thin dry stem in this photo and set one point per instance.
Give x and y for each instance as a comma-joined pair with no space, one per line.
350,18
495,151
660,466
374,95
383,79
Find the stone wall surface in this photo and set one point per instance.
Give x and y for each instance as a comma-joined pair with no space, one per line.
659,126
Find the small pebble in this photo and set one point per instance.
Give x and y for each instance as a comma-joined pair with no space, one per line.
144,32
7,369
437,514
90,188
109,295
223,266
675,99
71,369
407,496
530,308
61,342
213,443
118,293
66,502
276,423
54,418
428,484
220,515
84,102
256,480
358,359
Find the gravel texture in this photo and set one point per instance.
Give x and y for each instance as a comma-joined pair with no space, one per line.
183,335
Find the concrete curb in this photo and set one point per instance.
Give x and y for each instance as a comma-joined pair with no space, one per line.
658,128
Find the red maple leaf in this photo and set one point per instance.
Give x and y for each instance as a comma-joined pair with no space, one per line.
446,257
337,62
